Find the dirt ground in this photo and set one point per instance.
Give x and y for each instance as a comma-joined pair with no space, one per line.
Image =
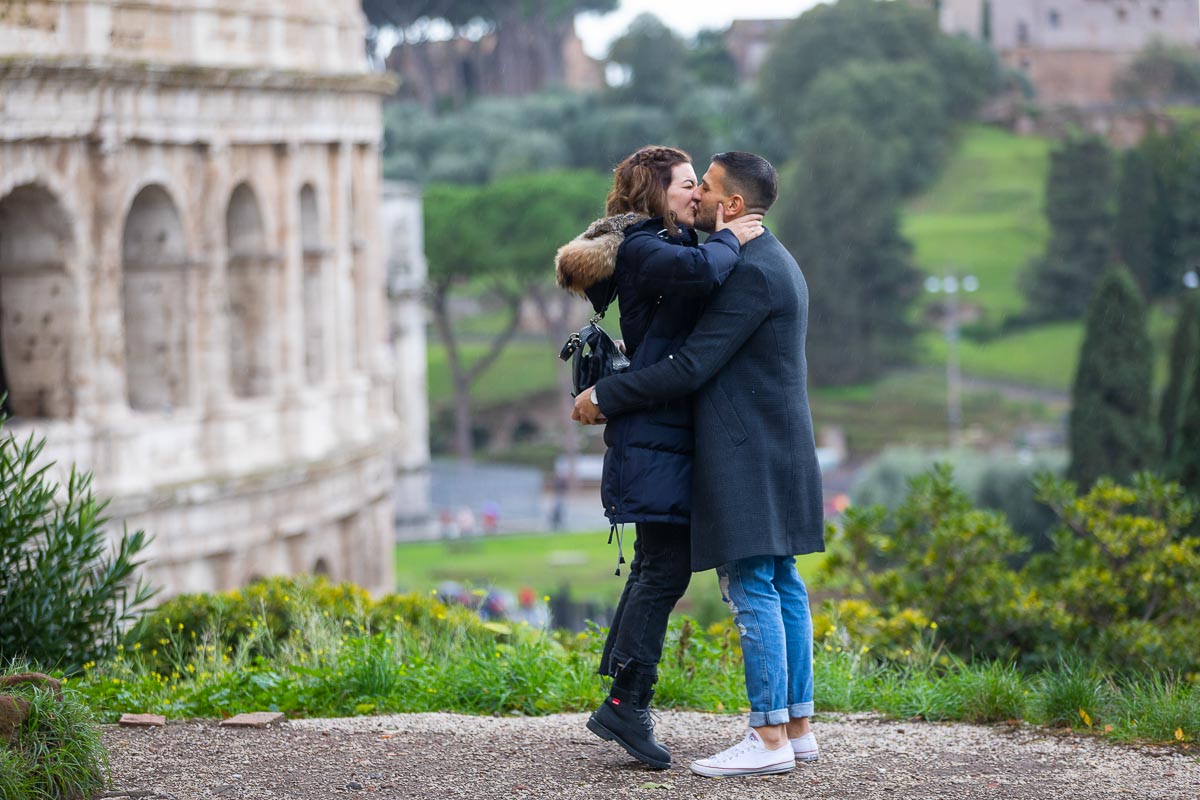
555,757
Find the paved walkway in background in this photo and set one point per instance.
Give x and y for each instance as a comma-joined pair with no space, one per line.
450,756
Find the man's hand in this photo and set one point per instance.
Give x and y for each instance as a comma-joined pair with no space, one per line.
586,411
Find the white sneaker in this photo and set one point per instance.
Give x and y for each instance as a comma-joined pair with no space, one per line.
805,747
748,757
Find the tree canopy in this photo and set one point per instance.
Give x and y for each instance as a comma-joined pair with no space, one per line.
838,215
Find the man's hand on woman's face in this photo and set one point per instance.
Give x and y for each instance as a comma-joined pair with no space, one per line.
586,411
745,228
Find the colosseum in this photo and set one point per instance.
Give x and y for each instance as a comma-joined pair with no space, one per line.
194,302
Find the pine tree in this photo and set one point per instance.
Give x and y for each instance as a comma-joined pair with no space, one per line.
839,216
1079,207
1135,223
1112,431
1185,362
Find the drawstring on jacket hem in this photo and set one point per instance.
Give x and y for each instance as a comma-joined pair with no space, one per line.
620,553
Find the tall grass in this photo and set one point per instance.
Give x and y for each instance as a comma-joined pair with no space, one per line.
57,753
447,660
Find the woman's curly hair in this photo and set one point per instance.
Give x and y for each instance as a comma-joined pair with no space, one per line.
640,183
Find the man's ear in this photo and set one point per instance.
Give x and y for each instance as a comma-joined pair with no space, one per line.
735,206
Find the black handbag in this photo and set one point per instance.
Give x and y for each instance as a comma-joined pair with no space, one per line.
592,353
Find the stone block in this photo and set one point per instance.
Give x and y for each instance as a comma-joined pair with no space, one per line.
257,719
142,720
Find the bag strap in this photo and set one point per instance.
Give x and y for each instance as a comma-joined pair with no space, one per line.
612,295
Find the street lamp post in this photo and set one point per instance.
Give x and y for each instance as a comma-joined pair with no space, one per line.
950,285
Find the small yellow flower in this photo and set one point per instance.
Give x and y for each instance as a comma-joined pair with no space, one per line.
933,626
545,598
137,646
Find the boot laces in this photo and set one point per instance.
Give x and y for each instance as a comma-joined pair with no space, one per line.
648,717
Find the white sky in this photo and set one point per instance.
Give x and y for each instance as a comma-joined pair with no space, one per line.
687,17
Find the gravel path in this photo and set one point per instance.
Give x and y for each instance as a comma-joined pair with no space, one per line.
450,756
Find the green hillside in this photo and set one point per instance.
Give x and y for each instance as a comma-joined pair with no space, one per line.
984,216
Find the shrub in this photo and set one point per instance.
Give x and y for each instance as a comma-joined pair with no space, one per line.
1125,572
941,557
57,752
63,596
267,615
995,482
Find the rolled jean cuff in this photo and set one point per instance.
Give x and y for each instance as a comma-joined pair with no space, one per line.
759,719
801,710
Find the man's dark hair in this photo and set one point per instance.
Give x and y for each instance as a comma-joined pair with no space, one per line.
752,177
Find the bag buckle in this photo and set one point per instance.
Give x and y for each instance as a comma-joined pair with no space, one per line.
573,343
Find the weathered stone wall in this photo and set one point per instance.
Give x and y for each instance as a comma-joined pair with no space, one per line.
192,288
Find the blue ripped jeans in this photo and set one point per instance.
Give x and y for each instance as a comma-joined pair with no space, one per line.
770,607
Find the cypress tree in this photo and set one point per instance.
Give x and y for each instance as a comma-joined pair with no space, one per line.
1186,206
1166,158
1111,429
1079,207
1185,362
1134,229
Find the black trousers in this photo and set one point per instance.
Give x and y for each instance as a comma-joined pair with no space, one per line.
658,577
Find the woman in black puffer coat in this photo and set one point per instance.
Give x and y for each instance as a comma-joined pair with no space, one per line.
645,255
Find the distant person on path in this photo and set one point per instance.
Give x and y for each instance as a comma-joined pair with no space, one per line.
757,484
646,256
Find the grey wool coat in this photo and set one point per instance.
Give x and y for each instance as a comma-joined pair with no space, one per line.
756,481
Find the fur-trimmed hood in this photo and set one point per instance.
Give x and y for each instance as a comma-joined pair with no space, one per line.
591,257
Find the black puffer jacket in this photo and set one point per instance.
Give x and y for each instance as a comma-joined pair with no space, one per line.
661,282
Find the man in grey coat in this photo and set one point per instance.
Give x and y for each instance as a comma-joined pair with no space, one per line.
757,486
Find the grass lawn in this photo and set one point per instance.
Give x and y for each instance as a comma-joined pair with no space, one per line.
909,406
525,367
984,216
546,563
1043,356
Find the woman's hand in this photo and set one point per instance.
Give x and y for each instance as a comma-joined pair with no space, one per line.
744,228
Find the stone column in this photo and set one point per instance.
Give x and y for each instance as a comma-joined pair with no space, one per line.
110,164
212,345
291,276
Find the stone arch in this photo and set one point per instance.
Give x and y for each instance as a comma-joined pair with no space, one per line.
322,568
316,295
250,279
154,295
38,303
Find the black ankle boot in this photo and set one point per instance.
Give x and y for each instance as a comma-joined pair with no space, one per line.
624,718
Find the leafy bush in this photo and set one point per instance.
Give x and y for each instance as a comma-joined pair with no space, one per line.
1117,588
57,753
271,614
63,596
940,556
1125,572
